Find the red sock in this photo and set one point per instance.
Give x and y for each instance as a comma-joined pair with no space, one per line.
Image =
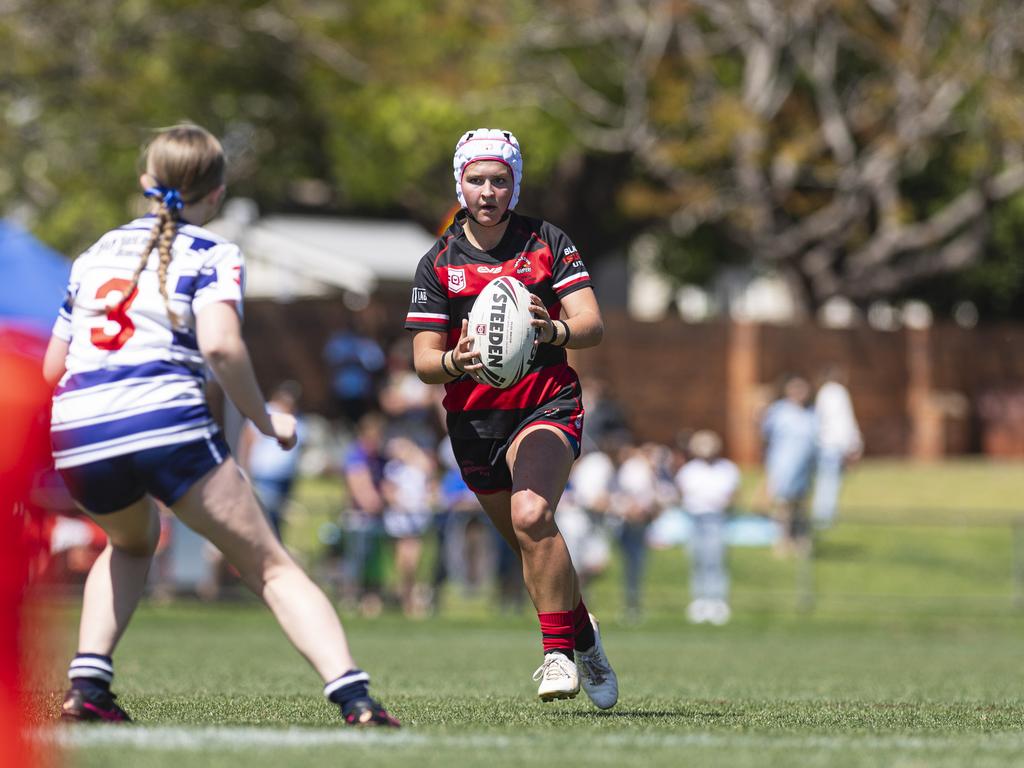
556,629
583,630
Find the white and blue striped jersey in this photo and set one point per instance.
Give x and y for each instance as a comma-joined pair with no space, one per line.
133,382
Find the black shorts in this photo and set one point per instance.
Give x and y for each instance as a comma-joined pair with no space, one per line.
482,460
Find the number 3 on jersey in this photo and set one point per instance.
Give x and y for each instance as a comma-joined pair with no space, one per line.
118,328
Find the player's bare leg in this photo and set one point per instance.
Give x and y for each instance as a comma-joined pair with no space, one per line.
540,460
117,579
113,589
222,508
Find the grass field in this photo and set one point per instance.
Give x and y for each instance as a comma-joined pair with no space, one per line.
912,657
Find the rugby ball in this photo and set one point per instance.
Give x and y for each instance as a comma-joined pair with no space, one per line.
499,324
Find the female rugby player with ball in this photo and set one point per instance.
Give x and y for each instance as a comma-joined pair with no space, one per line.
515,446
148,306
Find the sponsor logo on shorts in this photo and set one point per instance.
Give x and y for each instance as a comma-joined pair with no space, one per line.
419,295
456,279
469,468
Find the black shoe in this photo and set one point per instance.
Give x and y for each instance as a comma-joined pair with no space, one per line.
368,713
92,706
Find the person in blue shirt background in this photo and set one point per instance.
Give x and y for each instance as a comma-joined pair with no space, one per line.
272,470
789,428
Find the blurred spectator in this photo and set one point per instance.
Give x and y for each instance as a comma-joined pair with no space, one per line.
408,491
466,548
363,471
790,431
634,505
272,469
584,509
839,444
355,363
605,416
707,485
408,403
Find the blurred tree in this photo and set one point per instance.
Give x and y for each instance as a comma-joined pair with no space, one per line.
860,147
85,84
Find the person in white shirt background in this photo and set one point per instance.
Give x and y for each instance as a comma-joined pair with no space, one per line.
839,444
708,484
635,502
582,515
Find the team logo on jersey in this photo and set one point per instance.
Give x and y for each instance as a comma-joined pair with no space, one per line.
522,265
456,280
419,295
489,270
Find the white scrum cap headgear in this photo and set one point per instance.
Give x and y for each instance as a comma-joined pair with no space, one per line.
488,144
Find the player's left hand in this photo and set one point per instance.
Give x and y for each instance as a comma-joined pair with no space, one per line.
541,321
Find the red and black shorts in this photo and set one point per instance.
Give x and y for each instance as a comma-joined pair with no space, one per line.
481,457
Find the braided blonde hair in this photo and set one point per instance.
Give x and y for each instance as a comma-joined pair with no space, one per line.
187,162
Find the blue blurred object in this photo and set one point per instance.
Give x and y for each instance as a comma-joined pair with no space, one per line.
673,527
34,279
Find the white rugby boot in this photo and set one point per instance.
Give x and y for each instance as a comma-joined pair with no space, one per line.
596,673
558,678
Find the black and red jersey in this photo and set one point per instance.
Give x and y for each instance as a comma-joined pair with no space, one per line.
449,278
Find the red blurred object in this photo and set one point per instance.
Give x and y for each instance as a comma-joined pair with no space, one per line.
24,452
448,219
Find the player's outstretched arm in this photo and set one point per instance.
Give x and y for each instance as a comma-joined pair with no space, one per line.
581,327
219,332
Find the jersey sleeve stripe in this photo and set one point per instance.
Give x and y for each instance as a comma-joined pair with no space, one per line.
426,317
565,283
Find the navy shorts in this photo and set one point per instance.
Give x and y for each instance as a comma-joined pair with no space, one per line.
482,460
166,472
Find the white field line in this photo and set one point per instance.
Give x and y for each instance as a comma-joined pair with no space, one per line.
173,738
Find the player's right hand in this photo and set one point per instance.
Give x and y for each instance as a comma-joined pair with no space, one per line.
466,356
284,430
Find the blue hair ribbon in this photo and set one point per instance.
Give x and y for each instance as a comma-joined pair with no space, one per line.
168,196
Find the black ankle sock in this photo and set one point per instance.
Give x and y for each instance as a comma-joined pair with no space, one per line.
567,654
354,684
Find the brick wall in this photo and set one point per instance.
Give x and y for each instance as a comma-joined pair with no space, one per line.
920,393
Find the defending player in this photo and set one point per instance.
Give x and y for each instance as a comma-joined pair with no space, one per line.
515,446
147,306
